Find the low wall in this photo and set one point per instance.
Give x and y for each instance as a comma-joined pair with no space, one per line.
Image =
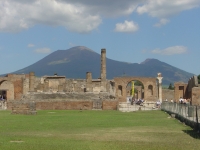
167,94
110,105
55,104
25,107
67,101
62,105
189,114
65,105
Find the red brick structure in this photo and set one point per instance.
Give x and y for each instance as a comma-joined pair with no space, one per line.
189,91
150,87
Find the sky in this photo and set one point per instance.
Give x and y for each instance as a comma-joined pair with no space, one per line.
130,30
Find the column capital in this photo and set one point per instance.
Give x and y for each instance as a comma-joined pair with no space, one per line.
159,79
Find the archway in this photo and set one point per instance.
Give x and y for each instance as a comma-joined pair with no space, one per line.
135,90
147,90
7,89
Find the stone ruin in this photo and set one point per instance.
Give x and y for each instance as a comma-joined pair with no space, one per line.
24,107
59,92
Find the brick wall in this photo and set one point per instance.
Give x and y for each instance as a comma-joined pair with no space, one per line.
18,89
110,105
62,105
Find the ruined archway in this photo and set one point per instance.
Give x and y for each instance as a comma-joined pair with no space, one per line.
7,88
135,90
149,88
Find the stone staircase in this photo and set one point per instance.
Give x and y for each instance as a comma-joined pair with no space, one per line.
127,107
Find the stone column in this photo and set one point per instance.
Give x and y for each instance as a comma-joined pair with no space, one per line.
31,81
159,87
88,82
103,70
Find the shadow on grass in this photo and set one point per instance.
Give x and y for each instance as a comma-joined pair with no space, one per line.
193,133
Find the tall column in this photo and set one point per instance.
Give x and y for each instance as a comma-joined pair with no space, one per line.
103,70
31,81
159,87
89,82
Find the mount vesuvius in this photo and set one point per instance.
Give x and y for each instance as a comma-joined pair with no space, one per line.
76,61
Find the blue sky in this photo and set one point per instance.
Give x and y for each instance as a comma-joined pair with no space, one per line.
130,30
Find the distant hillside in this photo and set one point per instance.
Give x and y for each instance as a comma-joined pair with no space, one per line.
76,61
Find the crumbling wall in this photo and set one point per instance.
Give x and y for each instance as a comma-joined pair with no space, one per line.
64,105
193,82
196,96
23,107
167,94
25,85
62,101
75,85
110,105
18,89
180,90
7,85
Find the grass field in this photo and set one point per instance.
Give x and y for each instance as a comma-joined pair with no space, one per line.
94,130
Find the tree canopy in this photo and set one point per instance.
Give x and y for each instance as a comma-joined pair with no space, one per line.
171,87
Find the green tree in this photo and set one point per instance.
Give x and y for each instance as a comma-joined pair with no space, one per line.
198,79
171,87
138,83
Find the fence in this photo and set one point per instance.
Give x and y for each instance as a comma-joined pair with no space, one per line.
189,114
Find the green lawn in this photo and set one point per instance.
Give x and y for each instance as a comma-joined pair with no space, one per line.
94,130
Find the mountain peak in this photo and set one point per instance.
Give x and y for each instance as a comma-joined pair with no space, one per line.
81,48
148,60
76,61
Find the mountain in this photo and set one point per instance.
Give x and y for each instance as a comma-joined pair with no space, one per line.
76,61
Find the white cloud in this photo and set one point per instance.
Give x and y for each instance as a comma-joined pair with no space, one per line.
43,50
127,26
82,16
31,45
161,22
17,15
174,50
166,8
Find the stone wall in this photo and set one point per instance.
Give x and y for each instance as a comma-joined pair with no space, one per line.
180,90
23,107
193,82
167,94
110,105
13,85
196,96
18,89
75,85
64,105
71,101
150,87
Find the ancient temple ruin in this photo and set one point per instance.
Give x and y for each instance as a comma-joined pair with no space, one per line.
60,92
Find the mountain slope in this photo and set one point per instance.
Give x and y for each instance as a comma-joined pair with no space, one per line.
76,61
